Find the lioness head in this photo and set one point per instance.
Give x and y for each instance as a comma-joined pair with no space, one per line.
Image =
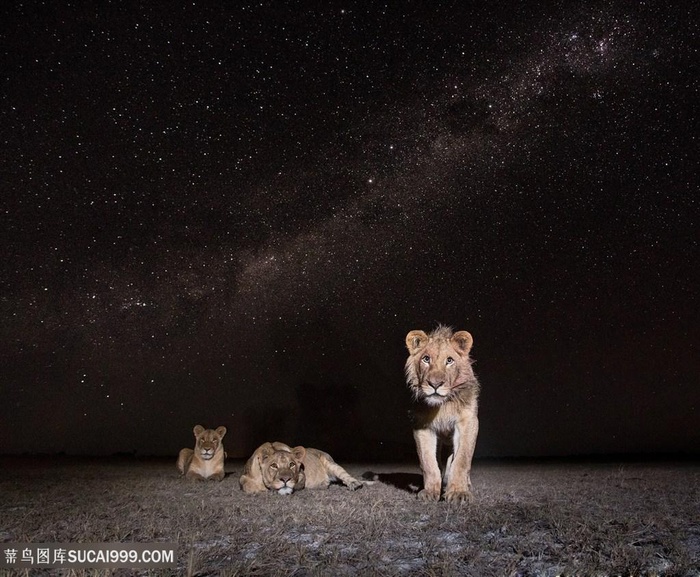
208,441
282,471
438,367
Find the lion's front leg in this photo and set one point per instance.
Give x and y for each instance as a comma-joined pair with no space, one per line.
250,484
193,475
218,476
458,473
426,445
251,480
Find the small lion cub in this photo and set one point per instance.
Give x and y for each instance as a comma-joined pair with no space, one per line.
206,461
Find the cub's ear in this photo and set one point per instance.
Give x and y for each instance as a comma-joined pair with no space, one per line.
221,431
463,341
299,453
415,340
198,430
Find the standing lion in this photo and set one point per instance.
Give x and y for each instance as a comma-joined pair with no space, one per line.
439,373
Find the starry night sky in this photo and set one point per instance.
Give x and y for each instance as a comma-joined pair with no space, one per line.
231,214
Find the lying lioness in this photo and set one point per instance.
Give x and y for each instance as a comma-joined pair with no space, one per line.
278,467
207,459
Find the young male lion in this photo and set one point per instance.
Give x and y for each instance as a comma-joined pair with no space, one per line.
206,461
278,467
439,373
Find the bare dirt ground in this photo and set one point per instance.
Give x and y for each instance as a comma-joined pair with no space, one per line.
528,518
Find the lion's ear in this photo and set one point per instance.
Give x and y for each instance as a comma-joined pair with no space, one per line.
221,431
415,340
198,430
463,341
266,451
299,453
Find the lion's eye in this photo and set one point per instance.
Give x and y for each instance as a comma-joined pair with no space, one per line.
425,359
292,465
273,466
450,360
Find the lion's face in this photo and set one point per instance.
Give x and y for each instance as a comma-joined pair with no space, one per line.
208,441
282,470
438,367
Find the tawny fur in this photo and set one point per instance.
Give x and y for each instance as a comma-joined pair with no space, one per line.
439,373
279,467
206,461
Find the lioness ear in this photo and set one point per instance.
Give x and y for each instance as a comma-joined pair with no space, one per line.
415,340
299,453
266,451
463,341
198,430
221,431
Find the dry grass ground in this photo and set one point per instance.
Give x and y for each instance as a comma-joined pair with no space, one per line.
549,518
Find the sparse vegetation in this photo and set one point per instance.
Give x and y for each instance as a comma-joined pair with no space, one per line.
550,518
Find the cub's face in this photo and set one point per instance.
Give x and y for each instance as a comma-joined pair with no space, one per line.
282,471
438,367
208,441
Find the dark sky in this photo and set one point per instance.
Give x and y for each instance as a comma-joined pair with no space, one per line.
231,214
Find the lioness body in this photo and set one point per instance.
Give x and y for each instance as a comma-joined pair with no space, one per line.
446,391
279,467
206,461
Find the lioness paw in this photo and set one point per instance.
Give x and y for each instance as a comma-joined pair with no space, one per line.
454,496
426,495
354,485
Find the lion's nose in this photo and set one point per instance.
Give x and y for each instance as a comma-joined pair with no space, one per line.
436,386
285,479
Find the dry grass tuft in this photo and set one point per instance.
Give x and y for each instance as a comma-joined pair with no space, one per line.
528,519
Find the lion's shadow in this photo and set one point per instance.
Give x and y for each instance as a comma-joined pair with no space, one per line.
409,482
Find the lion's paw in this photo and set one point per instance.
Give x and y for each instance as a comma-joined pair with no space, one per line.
455,496
354,485
426,495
